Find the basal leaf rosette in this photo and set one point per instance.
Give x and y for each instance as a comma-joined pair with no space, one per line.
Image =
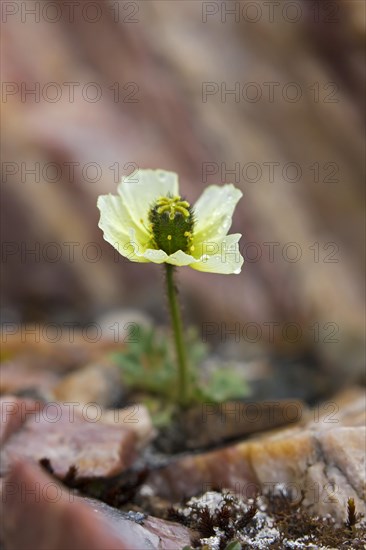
148,221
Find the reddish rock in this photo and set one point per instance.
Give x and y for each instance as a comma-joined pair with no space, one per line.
99,382
213,423
136,418
194,474
68,438
325,460
54,519
170,535
149,532
17,375
33,348
50,518
13,413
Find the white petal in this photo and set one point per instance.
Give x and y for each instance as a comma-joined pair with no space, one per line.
213,212
141,189
118,228
180,258
221,256
155,256
115,212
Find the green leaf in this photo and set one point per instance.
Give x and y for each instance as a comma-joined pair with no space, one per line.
233,545
148,366
226,384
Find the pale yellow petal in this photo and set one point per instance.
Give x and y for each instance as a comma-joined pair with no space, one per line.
180,258
118,228
213,212
142,188
155,256
221,256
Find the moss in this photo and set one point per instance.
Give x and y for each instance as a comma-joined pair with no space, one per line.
274,522
222,521
294,522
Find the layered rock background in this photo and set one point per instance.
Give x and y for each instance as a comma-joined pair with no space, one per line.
162,63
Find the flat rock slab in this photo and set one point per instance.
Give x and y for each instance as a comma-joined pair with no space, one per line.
14,412
149,532
214,423
18,376
98,382
66,438
31,362
55,519
136,418
325,461
35,347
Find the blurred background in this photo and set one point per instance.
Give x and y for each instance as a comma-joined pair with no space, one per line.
268,96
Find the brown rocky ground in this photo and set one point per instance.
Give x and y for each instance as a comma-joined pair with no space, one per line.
106,459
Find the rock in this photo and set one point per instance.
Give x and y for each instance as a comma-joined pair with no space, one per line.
98,383
328,465
212,423
136,418
13,413
145,531
339,471
170,535
67,438
17,376
51,519
37,348
54,519
346,409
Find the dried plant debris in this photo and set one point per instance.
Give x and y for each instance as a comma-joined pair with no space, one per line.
226,522
118,491
352,516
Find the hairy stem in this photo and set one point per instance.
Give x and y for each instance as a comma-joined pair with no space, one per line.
178,336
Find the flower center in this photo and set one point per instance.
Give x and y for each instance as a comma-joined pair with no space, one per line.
172,222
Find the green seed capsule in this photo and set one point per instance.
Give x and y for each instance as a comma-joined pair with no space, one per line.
172,224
